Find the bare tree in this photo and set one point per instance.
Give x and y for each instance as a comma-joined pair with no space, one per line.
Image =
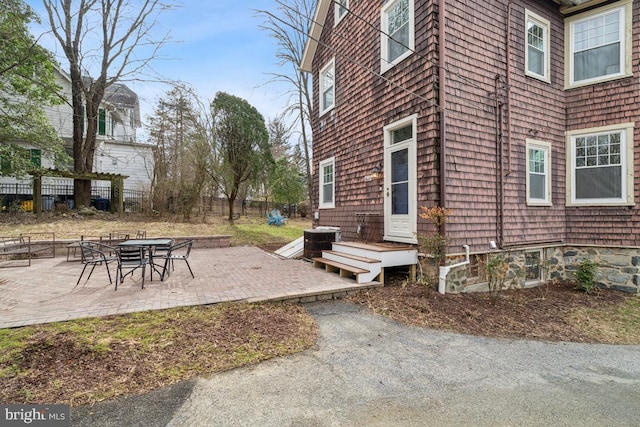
183,153
289,27
101,38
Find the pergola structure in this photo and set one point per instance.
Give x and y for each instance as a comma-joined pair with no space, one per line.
117,186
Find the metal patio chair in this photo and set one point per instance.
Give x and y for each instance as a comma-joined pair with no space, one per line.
93,254
177,252
130,258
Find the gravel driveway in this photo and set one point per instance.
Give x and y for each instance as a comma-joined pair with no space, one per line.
367,370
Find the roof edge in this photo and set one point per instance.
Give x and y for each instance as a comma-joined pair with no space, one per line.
314,35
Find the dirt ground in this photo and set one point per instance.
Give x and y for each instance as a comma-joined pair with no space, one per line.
553,312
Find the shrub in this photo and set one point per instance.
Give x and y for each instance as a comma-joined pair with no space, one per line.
434,246
586,276
496,268
303,210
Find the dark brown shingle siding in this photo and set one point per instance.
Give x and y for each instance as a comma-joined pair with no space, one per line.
476,55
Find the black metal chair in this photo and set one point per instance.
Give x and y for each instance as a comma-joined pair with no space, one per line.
160,252
131,258
177,252
94,253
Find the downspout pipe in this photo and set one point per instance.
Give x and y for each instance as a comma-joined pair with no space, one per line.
442,103
508,84
444,271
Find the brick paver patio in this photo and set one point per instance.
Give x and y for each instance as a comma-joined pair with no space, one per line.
46,291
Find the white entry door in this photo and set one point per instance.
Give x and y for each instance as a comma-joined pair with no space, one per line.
400,211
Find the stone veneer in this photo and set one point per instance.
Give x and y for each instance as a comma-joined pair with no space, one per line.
617,267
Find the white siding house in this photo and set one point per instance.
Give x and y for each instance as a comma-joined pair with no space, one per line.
117,150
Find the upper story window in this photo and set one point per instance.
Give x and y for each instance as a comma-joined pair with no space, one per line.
599,44
327,87
397,32
105,123
538,173
341,10
327,183
537,63
20,159
600,166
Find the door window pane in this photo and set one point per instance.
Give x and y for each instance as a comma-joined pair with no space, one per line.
400,182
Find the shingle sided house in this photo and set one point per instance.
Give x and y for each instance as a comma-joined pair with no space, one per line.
519,116
117,149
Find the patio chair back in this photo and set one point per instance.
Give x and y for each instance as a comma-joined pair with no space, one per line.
93,254
177,252
130,258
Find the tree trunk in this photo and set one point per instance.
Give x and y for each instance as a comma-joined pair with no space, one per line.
84,140
303,104
231,200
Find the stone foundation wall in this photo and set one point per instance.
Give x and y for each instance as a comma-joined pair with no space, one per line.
617,268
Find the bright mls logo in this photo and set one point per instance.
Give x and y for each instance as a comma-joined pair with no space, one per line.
35,415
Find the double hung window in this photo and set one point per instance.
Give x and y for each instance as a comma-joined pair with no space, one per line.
538,173
327,87
397,32
599,44
600,166
327,183
537,63
341,10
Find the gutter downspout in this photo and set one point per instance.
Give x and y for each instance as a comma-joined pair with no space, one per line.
442,104
508,83
444,271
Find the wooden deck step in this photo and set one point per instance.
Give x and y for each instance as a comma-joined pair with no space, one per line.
353,257
333,266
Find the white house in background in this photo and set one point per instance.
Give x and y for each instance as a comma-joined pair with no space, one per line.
117,149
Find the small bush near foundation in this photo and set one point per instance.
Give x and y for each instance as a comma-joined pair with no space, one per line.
586,276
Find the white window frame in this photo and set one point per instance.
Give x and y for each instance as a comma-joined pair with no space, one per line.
624,8
330,66
341,10
385,63
321,184
627,175
546,148
532,18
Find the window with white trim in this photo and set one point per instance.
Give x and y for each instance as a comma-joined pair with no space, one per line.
327,87
600,166
397,36
105,122
327,183
599,44
538,173
341,10
536,55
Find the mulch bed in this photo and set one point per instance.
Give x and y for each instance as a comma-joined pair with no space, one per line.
541,313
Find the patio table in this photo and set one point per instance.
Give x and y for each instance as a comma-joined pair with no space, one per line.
148,245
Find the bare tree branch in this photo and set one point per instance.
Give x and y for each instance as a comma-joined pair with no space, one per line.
289,28
121,29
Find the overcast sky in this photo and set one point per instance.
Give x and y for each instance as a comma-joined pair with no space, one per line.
217,46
